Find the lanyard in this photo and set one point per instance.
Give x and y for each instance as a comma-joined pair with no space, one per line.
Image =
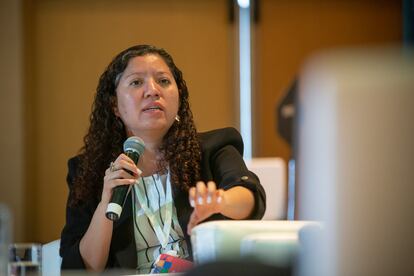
161,233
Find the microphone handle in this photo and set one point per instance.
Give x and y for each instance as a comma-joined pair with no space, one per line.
133,155
119,194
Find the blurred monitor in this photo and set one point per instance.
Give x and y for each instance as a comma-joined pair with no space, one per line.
355,162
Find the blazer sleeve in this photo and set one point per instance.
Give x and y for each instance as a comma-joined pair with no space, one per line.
223,162
78,218
77,222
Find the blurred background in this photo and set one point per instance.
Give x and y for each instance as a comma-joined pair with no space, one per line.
53,52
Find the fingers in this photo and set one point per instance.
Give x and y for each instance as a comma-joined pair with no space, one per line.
119,182
211,192
206,200
122,168
220,197
123,162
192,195
122,171
203,194
119,174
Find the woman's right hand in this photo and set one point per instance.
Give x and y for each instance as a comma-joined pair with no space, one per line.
117,175
95,245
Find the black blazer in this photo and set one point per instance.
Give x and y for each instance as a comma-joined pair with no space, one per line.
221,162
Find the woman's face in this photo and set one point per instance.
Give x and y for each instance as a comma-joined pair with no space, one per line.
147,96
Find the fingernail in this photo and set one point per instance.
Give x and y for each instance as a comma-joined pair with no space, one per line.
200,200
219,199
208,200
132,180
192,203
139,171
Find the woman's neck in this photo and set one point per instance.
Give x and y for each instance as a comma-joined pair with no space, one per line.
149,163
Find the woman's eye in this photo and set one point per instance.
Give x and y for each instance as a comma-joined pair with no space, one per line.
136,82
165,81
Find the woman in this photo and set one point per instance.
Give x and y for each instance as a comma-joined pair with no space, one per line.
142,93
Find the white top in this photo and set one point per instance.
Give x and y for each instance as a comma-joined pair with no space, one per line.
153,189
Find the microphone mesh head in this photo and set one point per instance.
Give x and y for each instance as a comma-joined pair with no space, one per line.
134,143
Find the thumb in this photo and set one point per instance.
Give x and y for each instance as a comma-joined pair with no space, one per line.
192,222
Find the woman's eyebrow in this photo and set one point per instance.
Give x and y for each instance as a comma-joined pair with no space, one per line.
133,73
163,73
142,73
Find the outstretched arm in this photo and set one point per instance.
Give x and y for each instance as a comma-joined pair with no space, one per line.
206,199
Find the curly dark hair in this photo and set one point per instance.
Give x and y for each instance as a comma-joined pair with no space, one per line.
103,142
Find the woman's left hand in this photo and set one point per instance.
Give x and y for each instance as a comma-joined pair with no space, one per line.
206,200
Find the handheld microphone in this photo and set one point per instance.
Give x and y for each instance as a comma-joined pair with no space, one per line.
133,148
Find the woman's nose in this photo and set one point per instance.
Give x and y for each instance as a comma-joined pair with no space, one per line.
151,89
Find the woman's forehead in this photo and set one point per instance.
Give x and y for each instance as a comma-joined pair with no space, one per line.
147,61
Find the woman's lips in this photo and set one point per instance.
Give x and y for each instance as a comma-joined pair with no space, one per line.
154,106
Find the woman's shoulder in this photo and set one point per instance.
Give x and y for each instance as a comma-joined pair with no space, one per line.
213,140
74,161
73,168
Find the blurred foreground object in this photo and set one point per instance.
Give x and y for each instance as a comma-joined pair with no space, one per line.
5,238
273,242
238,268
25,259
356,162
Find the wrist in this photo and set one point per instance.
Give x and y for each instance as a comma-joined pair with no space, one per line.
102,207
105,198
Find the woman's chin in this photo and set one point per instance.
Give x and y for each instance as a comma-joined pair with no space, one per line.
153,128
